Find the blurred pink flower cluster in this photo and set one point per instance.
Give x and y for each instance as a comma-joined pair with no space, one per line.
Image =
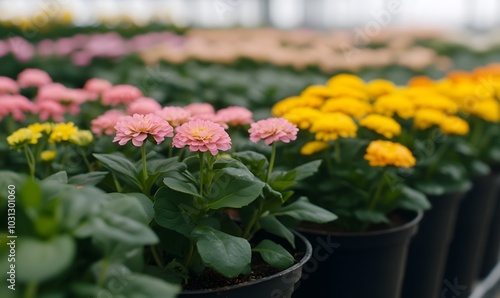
83,48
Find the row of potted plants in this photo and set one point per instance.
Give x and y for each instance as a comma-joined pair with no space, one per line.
189,195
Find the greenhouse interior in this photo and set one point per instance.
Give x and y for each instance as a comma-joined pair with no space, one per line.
250,148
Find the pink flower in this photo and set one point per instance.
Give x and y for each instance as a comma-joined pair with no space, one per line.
50,110
120,94
273,130
21,48
139,127
8,86
200,108
234,116
211,117
106,122
32,77
202,135
175,115
143,105
16,105
96,87
70,99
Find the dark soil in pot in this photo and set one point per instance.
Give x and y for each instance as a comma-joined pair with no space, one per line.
357,265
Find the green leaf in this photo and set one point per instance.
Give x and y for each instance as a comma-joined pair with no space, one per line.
61,177
181,183
39,261
233,188
134,205
304,210
307,170
479,168
175,210
274,254
142,285
272,225
226,254
255,162
412,199
92,178
30,195
121,166
371,216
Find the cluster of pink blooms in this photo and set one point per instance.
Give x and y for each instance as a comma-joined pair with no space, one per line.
82,49
120,94
191,131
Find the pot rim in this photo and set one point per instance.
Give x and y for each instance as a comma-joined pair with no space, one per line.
408,225
303,260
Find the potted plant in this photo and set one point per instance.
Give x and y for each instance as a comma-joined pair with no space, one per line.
378,214
221,218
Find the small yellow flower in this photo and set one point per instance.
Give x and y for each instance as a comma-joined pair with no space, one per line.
453,125
347,105
23,136
302,117
331,126
383,125
488,110
349,91
313,147
316,91
436,102
62,132
41,127
385,153
380,87
427,118
290,103
346,80
81,138
391,104
48,155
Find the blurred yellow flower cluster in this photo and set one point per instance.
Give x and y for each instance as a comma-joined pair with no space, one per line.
385,153
336,110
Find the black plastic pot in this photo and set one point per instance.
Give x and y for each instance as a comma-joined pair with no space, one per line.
280,285
492,251
429,248
469,239
357,265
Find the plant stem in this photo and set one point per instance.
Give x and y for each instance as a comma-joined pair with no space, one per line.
271,163
189,256
202,176
30,159
337,151
31,290
378,192
157,258
85,159
117,184
144,166
478,133
251,223
329,162
103,274
170,151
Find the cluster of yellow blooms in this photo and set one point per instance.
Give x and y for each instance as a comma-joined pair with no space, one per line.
346,102
55,133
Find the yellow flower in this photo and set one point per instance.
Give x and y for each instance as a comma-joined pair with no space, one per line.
287,104
383,125
426,118
349,91
316,91
488,110
313,147
391,104
302,117
436,102
453,125
62,132
23,136
385,153
347,105
81,138
346,80
48,155
332,125
380,87
40,127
